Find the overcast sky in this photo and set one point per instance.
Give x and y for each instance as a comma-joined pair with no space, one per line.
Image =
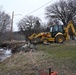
25,7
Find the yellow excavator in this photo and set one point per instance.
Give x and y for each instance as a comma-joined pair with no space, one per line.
57,33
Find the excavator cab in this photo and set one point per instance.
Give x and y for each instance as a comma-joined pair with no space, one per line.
56,29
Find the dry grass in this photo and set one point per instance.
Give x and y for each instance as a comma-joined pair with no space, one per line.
60,57
29,63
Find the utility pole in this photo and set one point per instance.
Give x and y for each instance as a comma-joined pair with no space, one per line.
11,32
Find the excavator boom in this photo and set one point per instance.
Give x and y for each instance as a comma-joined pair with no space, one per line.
66,29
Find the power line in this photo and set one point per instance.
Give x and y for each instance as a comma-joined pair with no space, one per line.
39,7
37,3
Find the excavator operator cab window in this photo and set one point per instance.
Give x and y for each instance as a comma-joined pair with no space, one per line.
55,29
51,28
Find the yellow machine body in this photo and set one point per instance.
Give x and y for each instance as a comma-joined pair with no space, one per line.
58,36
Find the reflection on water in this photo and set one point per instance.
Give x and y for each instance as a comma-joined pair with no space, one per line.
5,53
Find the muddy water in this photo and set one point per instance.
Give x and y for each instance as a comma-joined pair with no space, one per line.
4,53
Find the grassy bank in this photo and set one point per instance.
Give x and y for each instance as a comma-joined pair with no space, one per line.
60,57
63,57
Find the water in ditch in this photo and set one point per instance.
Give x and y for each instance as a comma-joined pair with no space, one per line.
5,53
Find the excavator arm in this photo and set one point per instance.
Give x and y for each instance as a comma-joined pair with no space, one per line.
70,25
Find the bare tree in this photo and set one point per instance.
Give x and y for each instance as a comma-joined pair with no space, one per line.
28,23
63,11
4,24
